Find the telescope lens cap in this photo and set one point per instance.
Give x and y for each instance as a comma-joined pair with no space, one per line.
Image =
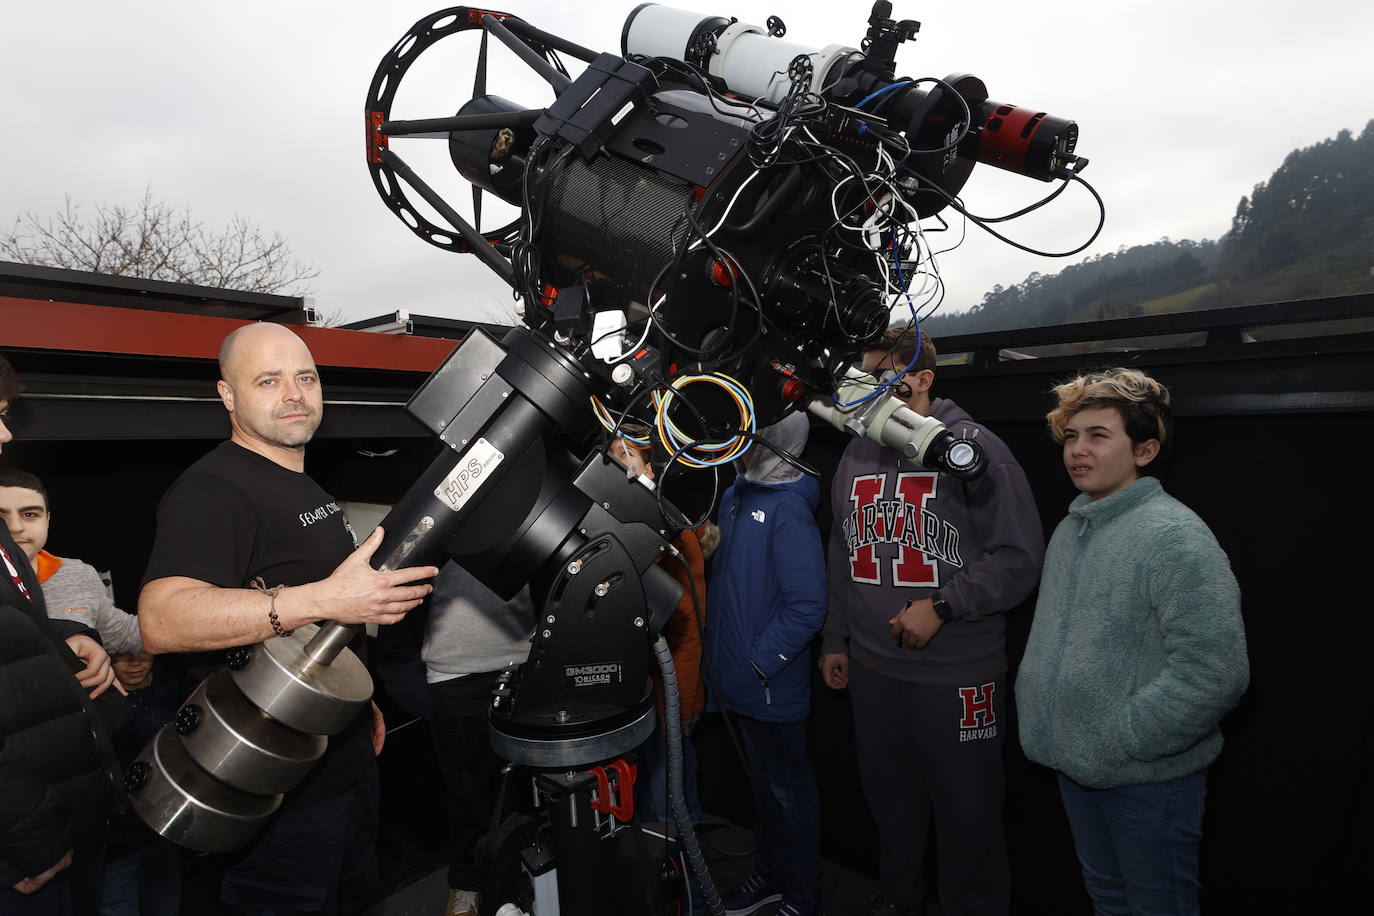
961,455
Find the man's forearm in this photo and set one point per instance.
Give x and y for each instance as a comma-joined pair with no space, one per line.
178,614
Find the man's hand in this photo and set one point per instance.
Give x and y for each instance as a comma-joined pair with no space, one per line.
98,673
378,730
29,885
357,593
916,624
835,670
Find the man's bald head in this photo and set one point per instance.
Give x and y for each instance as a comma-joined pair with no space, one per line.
248,338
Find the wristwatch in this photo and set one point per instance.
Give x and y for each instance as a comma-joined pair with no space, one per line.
942,609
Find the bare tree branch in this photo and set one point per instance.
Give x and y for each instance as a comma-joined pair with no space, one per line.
156,242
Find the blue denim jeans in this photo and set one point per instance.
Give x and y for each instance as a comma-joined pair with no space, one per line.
470,768
651,782
787,806
1139,844
320,858
144,881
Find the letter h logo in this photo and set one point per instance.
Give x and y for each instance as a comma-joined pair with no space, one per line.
978,706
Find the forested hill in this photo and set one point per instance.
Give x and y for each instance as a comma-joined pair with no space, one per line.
1306,232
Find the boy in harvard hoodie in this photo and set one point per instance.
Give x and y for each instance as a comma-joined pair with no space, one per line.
73,590
922,569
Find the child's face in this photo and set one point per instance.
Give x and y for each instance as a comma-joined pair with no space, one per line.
633,457
1099,456
132,668
25,511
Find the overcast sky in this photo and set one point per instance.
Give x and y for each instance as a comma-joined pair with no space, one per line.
255,109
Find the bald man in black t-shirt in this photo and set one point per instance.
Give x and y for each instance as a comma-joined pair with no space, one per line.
247,511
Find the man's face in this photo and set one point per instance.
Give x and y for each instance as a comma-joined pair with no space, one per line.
25,512
5,434
272,389
132,668
1099,456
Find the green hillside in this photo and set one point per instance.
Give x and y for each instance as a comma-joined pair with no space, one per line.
1305,233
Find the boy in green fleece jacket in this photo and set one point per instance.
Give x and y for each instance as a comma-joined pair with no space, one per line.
1136,651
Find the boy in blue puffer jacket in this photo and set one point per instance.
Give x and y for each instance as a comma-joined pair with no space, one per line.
766,602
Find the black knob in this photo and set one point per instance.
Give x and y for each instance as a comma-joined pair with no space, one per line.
188,719
239,657
137,776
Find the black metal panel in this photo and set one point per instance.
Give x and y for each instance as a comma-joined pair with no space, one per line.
1311,355
30,281
92,397
427,325
1249,316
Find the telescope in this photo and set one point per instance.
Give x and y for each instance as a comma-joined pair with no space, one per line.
714,224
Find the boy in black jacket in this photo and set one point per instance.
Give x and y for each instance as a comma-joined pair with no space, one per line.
55,787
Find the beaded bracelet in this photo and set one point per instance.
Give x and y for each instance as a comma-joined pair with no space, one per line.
272,617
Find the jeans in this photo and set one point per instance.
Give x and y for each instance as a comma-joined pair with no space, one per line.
144,881
1139,844
787,806
320,858
651,782
470,768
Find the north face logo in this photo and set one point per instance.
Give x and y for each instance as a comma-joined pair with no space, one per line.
757,515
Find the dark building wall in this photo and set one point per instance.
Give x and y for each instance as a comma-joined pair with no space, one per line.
1288,808
1272,443
1284,489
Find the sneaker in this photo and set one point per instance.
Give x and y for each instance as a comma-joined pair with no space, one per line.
881,905
461,903
754,892
807,903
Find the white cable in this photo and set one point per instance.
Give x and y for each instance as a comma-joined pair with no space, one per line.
728,207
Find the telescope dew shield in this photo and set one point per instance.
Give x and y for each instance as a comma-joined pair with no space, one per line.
753,64
745,57
653,30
